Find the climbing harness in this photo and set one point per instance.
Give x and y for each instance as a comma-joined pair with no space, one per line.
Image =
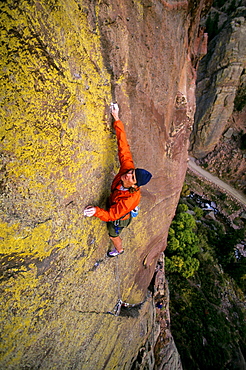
116,226
116,223
132,214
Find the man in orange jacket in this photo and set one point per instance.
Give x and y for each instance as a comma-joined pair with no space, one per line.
125,189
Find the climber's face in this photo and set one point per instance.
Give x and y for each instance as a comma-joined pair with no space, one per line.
129,179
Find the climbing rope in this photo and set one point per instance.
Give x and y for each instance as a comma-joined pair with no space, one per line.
119,304
117,277
117,307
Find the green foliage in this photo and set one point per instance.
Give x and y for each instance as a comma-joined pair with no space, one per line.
202,326
198,212
219,242
183,244
223,196
185,191
174,264
206,304
225,245
237,270
181,208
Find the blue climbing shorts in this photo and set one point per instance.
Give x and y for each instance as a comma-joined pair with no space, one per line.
114,230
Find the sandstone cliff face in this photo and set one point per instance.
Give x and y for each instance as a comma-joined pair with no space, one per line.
221,78
62,63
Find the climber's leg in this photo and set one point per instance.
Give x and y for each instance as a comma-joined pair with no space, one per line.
114,232
117,243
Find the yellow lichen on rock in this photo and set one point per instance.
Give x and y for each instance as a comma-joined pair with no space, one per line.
62,63
50,99
24,305
55,134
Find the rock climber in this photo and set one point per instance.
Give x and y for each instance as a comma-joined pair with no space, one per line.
125,189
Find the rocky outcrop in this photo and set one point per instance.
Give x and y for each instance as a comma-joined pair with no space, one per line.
62,64
221,78
228,159
159,351
166,353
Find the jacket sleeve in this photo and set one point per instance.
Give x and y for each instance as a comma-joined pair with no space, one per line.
124,153
118,210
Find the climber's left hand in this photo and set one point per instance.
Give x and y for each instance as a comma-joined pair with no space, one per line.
89,211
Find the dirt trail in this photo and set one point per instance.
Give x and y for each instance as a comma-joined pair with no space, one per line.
214,179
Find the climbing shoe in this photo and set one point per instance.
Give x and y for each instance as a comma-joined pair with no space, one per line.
114,253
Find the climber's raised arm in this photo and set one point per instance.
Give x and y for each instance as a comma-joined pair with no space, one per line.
124,153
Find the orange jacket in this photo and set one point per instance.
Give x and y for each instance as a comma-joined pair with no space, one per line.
121,201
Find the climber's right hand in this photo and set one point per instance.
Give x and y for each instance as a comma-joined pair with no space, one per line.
114,109
89,211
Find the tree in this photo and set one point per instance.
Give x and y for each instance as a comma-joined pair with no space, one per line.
198,212
183,244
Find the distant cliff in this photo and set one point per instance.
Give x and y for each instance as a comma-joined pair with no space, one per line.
62,63
219,136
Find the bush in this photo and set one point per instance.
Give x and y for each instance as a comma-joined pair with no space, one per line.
182,244
182,208
198,212
185,191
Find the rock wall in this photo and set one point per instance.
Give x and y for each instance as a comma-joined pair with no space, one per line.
221,77
62,63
